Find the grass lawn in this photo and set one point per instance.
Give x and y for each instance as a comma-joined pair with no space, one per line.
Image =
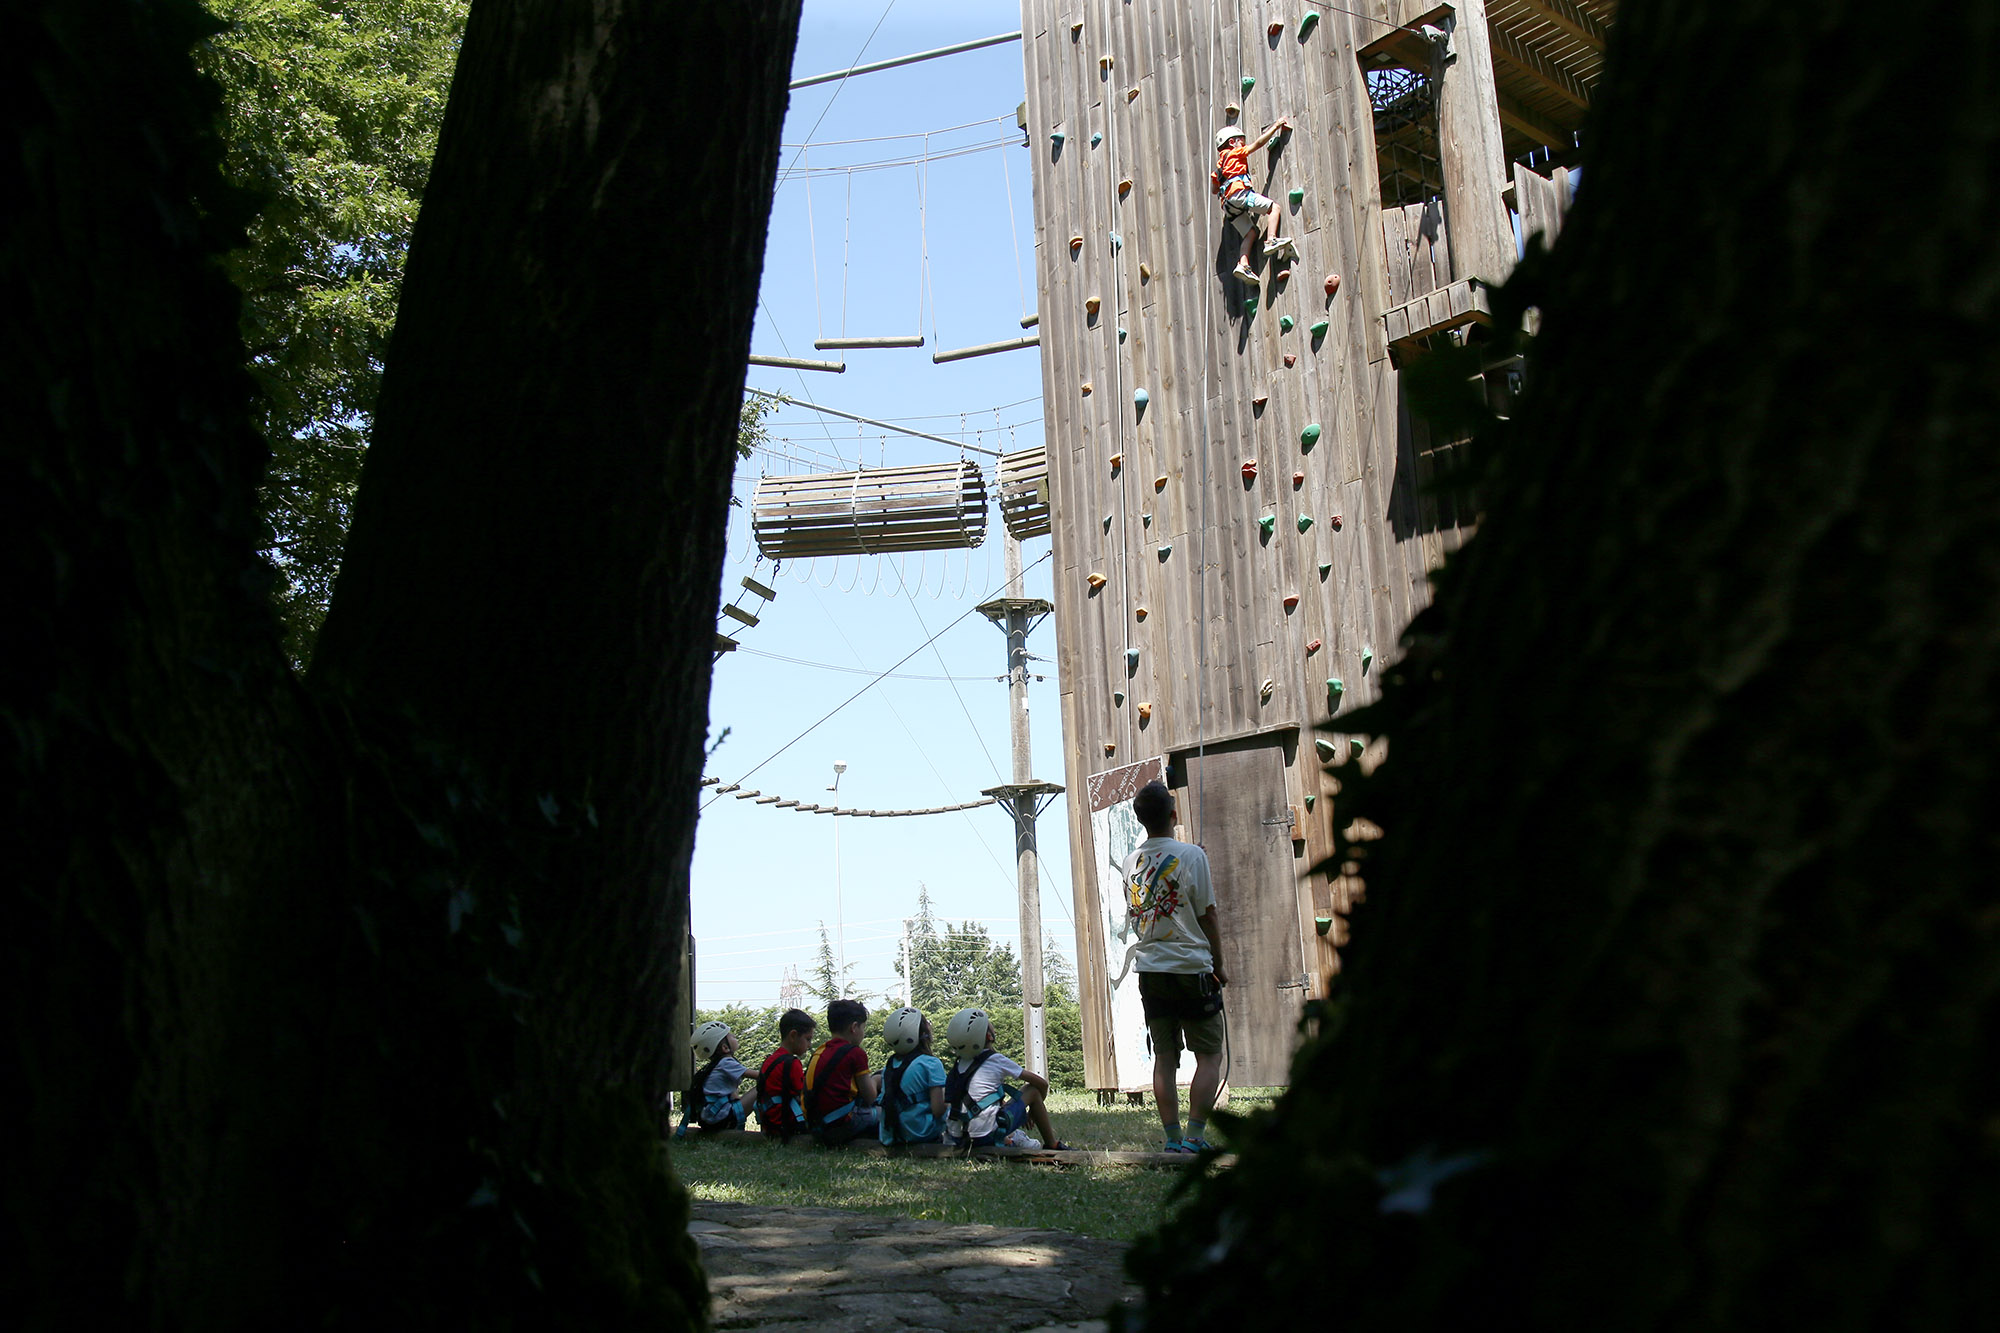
1115,1203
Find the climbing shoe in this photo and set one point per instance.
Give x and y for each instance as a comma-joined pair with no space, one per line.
1244,274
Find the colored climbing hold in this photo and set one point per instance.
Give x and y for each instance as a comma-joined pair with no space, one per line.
1291,603
1076,29
1335,520
1265,690
1325,748
1249,469
1117,241
1145,713
1138,613
1326,567
1131,93
1275,29
1318,329
1118,698
1124,187
1332,283
1249,82
1090,304
1139,400
1145,273
1231,112
1322,924
1310,435
1104,62
1257,403
1159,484
1056,138
1110,748
1269,524
1284,275
1307,22
1298,480
1117,461
1146,520
1297,195
1367,656
1107,522
1357,748
1164,550
1075,244
1249,305
1095,581
1312,646
1291,359
1310,798
1334,689
1305,522
1086,388
1131,659
1284,323
1121,333
1096,138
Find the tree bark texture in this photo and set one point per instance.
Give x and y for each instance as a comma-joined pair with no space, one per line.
351,996
1675,1002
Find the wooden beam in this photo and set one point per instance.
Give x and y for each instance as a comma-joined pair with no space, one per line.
1517,117
1404,47
1572,20
1512,51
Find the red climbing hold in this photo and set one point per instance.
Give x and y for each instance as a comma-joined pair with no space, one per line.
1332,283
1312,647
1291,359
1249,469
1291,603
1275,28
1284,275
1257,403
1335,520
1298,480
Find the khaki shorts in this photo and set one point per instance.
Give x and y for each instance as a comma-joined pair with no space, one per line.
1171,999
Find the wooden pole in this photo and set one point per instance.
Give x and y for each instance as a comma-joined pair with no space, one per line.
1470,145
1026,856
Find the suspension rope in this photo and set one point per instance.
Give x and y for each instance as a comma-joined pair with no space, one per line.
812,243
737,790
1014,234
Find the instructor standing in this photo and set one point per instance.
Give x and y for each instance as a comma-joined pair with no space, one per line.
1177,949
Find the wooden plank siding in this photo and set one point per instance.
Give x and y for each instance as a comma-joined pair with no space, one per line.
1216,628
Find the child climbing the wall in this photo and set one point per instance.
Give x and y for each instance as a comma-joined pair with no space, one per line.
1241,204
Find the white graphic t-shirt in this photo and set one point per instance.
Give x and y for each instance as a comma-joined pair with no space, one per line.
1166,888
989,1078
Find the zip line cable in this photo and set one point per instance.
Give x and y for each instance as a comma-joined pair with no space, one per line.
889,138
842,83
863,690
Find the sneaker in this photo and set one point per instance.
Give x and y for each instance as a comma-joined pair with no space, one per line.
1060,1146
1282,248
1244,274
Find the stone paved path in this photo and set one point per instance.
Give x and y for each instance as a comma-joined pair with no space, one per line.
848,1272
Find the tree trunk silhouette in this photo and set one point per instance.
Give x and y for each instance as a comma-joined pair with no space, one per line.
352,996
1675,1001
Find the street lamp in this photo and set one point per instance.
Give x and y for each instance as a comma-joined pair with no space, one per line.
839,911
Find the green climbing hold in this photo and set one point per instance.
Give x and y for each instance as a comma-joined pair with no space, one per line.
1056,138
1322,924
1095,138
1284,323
1310,798
1250,305
1305,521
1249,82
1319,328
1121,334
1334,689
1297,196
1166,549
1357,748
1131,659
1139,400
1269,523
1324,570
1367,656
1309,436
1307,22
1146,519
1325,748
1118,698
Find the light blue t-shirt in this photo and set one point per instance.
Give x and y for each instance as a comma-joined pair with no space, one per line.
923,1073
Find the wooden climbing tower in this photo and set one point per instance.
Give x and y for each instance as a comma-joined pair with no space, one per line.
1240,498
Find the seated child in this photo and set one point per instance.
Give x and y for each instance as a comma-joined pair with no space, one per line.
912,1082
980,1108
781,1083
712,1100
840,1092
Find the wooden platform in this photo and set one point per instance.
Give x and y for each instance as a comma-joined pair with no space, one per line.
1449,307
1032,1156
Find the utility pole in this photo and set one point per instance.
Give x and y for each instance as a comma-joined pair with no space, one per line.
1023,798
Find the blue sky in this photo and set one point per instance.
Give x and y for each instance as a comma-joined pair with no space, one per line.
851,226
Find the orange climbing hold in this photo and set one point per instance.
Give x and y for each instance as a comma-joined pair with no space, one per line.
1145,713
1139,614
1145,273
1118,461
1104,62
1076,30
1160,482
1110,748
1131,93
1090,304
1095,581
1124,187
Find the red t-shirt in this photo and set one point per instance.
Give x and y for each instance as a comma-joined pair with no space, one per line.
830,1076
783,1076
1234,163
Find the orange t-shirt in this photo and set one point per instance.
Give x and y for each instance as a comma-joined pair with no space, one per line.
1234,163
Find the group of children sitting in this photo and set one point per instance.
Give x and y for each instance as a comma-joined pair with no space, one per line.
828,1092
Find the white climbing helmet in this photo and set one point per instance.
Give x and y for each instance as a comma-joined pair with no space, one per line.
1225,134
967,1032
707,1037
902,1030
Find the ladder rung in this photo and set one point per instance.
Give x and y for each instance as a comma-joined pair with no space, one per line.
768,594
737,613
724,644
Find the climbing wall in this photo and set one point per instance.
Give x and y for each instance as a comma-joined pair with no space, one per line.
1239,528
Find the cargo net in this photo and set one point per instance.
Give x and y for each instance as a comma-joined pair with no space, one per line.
1406,143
